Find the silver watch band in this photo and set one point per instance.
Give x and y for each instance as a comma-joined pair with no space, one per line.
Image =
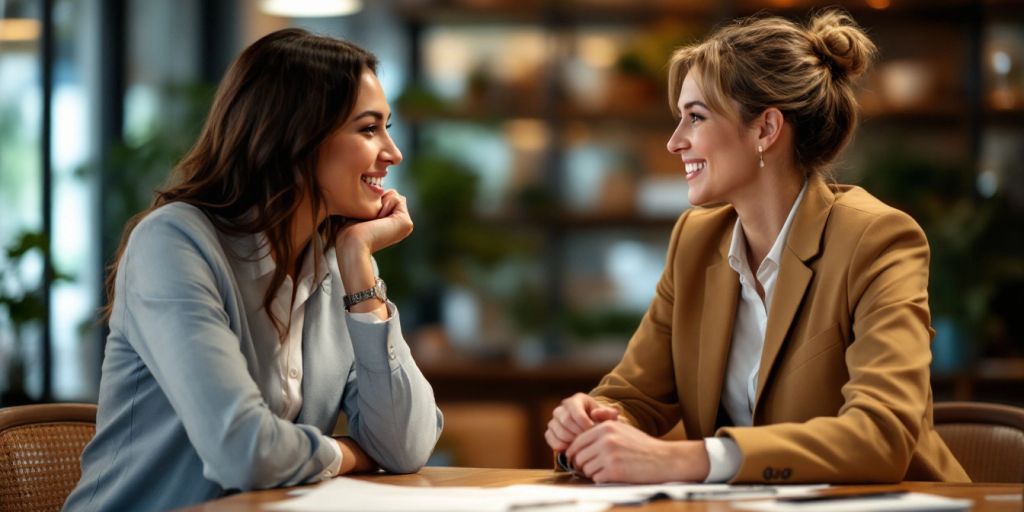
376,291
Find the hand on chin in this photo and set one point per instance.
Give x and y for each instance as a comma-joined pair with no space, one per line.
389,225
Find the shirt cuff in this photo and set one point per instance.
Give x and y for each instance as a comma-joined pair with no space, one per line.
333,468
725,458
370,317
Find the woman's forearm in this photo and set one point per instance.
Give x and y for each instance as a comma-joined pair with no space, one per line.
354,459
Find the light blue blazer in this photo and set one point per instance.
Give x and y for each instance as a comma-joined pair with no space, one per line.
190,379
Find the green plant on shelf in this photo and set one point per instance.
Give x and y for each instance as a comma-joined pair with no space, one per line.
450,243
645,56
22,304
973,253
595,325
418,100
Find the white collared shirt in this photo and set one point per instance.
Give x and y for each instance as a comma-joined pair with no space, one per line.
740,385
289,352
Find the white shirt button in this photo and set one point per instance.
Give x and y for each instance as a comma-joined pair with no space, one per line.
293,373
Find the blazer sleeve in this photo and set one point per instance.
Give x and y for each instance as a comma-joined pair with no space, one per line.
873,437
389,403
642,386
175,318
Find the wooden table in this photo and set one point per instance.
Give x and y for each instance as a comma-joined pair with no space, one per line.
440,477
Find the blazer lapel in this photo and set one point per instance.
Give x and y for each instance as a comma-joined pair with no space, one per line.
721,292
804,244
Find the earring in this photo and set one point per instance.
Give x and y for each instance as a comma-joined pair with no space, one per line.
760,155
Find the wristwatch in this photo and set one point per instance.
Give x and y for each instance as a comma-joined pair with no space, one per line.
379,291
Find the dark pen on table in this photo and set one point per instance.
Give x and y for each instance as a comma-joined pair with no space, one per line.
833,497
739,493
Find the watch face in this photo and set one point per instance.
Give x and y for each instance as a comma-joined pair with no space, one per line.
382,290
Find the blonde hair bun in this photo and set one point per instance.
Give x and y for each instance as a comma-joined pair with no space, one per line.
841,44
804,70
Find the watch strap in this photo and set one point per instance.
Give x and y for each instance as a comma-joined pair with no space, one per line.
364,295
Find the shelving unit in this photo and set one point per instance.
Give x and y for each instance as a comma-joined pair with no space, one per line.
569,122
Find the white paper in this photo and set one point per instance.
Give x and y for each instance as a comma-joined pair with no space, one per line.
346,494
909,502
350,495
626,494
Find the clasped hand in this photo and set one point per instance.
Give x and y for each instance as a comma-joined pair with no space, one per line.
606,449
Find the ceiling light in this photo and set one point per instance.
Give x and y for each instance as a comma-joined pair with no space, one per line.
311,8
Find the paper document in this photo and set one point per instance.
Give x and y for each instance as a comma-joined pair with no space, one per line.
634,494
350,495
907,502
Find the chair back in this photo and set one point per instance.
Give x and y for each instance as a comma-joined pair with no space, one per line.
40,451
987,439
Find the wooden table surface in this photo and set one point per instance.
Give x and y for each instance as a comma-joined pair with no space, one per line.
987,497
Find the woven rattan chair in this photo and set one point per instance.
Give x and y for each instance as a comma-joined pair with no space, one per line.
40,448
987,439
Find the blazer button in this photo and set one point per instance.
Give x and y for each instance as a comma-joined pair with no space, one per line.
786,473
768,473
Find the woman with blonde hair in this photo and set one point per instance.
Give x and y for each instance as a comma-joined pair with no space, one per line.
245,311
790,329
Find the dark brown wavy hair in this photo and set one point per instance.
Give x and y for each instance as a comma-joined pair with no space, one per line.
257,153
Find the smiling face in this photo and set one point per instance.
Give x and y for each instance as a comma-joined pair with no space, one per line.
718,152
355,158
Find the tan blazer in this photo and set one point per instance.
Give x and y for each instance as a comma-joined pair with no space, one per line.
843,392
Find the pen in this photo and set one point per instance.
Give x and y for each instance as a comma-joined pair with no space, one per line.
826,497
539,504
703,495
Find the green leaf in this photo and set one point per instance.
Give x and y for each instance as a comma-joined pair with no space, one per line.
27,241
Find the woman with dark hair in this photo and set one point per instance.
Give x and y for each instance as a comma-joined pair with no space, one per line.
789,332
245,312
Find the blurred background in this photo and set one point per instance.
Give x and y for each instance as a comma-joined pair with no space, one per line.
534,133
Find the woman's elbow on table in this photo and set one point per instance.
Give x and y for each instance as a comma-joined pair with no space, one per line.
405,463
410,454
